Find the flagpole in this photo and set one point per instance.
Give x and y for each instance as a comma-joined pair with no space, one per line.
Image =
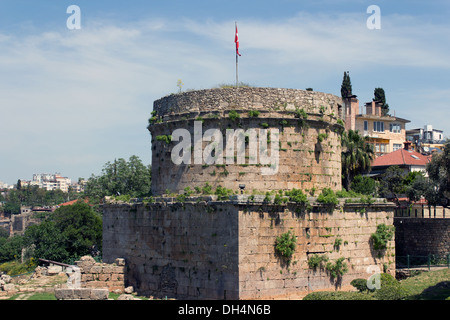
237,74
237,77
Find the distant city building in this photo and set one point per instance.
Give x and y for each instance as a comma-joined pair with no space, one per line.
5,185
54,181
426,140
386,133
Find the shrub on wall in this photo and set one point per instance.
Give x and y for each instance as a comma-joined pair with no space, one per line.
338,268
297,195
382,236
317,261
285,245
328,196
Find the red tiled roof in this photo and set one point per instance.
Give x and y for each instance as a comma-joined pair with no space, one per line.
401,157
71,203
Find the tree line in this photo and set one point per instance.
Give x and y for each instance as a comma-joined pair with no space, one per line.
70,231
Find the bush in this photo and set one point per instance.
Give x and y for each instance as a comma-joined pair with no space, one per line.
164,138
363,185
360,284
390,289
382,236
207,189
328,196
338,268
234,115
317,261
285,244
223,193
297,195
340,295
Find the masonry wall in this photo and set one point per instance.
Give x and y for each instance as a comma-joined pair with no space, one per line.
309,142
177,250
225,249
422,236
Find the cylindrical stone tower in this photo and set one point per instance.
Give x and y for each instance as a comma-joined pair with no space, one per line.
246,139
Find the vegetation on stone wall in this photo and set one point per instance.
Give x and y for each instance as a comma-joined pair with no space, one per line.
285,245
382,236
297,195
328,196
317,261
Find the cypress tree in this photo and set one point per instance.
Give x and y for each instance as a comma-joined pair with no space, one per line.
346,87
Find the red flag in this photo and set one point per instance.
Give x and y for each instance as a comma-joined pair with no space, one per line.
236,40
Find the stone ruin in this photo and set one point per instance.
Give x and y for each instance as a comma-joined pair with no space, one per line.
307,125
204,246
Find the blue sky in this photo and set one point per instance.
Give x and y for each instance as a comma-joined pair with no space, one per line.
71,100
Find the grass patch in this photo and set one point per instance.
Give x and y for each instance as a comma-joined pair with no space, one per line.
432,285
43,296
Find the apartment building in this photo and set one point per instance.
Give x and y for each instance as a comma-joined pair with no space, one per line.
51,181
386,133
426,139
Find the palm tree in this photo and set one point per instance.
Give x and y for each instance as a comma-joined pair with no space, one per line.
356,157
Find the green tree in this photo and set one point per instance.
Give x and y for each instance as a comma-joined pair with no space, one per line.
439,173
69,233
346,86
392,182
47,241
417,188
356,156
380,96
121,177
363,185
10,248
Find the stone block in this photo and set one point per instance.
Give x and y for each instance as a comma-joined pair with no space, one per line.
120,261
96,269
54,270
99,294
9,287
81,294
64,294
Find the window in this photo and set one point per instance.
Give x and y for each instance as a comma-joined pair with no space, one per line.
395,127
397,146
366,125
378,126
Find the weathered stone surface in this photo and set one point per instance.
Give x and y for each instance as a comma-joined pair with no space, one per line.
129,290
191,252
99,294
127,297
82,294
9,287
309,149
422,236
64,294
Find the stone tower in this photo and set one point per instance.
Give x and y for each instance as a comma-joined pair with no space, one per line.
289,139
210,247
